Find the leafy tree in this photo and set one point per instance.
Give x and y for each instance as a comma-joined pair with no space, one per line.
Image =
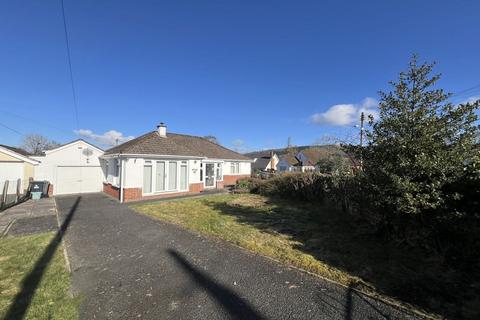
334,164
36,144
420,145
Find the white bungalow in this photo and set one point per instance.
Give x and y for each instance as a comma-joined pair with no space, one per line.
160,164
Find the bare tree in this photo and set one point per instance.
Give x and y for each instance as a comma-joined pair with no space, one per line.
212,139
36,144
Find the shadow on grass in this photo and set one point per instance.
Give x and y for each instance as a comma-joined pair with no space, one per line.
236,307
341,241
30,283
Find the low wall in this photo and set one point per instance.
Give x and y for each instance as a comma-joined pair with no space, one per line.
111,190
232,179
135,194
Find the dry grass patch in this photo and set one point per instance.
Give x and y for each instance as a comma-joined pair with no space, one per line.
321,240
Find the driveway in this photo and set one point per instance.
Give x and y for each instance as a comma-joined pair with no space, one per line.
128,266
32,216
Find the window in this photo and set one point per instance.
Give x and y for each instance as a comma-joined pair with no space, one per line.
183,176
160,176
201,171
219,172
147,177
106,170
172,175
234,167
116,168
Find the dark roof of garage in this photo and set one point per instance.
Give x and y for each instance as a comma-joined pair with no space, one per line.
174,144
17,150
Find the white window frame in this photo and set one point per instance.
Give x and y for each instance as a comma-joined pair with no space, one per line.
187,184
165,172
235,167
167,162
116,168
106,170
219,168
148,163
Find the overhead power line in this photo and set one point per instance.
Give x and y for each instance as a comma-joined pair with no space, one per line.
471,90
11,129
36,121
74,94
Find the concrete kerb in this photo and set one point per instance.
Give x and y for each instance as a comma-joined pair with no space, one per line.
64,246
5,231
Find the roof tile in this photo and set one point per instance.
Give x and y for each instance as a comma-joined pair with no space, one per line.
175,144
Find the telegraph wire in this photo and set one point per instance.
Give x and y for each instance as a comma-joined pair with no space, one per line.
467,91
11,129
36,121
74,94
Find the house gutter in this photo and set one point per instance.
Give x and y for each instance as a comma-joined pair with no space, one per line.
126,155
135,155
122,178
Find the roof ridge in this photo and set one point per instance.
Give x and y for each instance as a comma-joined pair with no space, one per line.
175,144
130,141
219,145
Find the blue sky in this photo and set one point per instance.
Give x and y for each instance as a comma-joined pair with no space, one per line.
252,73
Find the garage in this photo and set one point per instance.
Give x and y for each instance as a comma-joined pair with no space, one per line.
71,168
11,171
78,179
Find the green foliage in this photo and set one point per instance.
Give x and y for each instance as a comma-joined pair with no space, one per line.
51,299
334,164
418,147
247,185
307,186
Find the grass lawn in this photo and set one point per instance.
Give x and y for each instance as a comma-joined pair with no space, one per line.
324,241
51,299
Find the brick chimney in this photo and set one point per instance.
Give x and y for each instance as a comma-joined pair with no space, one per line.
162,129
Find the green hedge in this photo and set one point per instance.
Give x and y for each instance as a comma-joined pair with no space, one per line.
308,186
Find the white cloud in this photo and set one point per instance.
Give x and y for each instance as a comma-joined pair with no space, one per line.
109,138
346,114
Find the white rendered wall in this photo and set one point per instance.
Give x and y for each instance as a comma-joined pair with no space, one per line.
69,155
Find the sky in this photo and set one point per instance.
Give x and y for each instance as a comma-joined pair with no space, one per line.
251,73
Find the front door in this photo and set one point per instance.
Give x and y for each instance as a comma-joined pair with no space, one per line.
209,175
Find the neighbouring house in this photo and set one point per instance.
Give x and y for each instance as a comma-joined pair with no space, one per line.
73,167
305,158
295,162
162,164
15,164
265,161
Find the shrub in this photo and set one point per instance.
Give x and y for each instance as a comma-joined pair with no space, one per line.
247,185
308,186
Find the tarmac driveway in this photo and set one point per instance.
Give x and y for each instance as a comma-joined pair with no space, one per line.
128,266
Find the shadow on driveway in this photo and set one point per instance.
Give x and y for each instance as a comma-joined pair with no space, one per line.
236,307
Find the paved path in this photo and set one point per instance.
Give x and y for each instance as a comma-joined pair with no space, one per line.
32,216
129,266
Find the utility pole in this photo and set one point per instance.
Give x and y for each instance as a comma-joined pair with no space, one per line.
289,142
362,119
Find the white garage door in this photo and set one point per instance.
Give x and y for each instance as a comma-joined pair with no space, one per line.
11,171
74,179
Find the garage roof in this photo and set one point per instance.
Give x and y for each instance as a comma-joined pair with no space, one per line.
17,153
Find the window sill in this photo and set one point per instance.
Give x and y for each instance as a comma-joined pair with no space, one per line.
164,192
